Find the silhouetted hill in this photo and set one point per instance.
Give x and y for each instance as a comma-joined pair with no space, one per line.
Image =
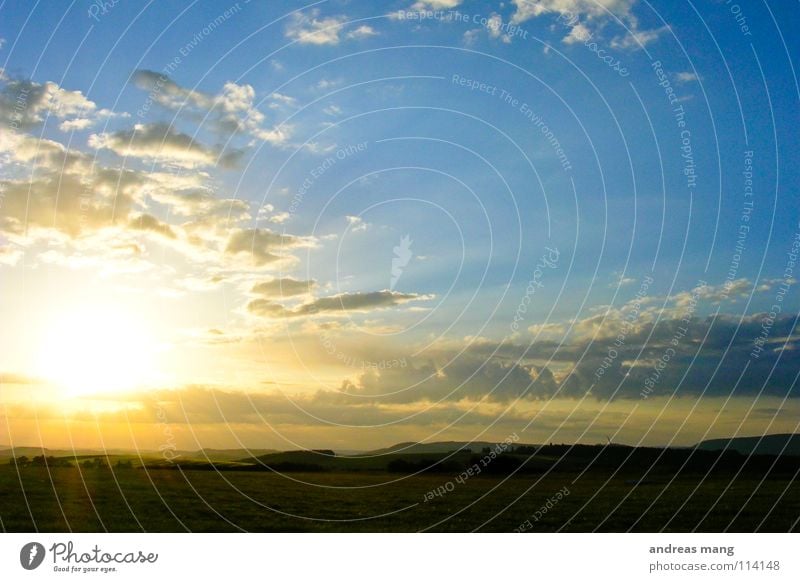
437,447
771,444
213,455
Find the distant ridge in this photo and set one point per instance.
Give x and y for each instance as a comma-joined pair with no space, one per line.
771,444
437,447
216,455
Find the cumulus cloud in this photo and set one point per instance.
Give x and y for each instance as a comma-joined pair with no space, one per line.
578,33
25,103
682,357
314,29
585,17
526,9
231,111
162,143
66,203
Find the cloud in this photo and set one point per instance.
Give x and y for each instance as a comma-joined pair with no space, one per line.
578,33
149,223
311,28
435,4
229,112
81,123
9,378
709,356
686,77
199,202
363,31
584,17
527,9
263,246
286,287
471,36
343,302
162,143
9,255
466,377
356,223
638,39
66,203
24,103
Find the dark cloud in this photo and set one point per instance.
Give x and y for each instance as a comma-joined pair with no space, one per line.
228,112
465,377
357,302
163,143
264,246
285,287
150,223
24,103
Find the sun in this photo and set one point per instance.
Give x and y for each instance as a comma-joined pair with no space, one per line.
97,349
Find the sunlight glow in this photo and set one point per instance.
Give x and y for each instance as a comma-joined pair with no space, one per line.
97,349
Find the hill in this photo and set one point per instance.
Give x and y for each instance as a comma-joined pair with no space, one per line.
771,444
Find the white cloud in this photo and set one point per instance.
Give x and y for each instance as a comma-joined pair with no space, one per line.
362,31
357,224
686,77
527,9
435,4
325,84
578,33
494,25
281,99
9,255
81,123
313,29
638,39
585,16
471,36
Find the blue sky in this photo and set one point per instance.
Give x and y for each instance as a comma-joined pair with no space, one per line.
186,153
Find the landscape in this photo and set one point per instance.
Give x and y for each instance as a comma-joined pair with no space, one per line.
716,486
491,266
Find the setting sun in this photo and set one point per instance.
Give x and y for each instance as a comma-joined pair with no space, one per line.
97,349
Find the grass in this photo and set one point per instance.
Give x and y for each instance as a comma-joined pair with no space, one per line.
126,500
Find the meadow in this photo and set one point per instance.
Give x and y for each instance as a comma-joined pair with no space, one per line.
362,495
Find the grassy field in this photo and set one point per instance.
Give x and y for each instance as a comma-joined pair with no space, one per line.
123,500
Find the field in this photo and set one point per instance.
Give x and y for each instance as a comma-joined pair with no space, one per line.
359,495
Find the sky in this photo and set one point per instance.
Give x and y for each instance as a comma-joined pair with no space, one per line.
348,224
